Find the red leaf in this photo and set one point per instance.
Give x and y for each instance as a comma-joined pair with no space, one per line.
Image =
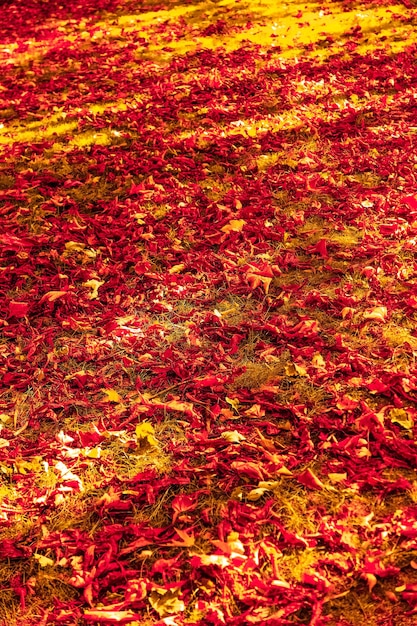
411,201
18,309
310,480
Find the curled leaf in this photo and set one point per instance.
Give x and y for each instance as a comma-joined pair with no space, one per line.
94,285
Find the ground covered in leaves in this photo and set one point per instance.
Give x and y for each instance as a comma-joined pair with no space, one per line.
208,313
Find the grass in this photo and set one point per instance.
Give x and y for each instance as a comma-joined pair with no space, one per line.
91,142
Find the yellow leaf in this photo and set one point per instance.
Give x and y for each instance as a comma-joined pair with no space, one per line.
371,579
166,602
146,433
401,417
234,403
284,471
233,436
176,269
255,411
94,285
184,407
74,245
5,418
251,131
255,494
139,218
268,485
94,453
377,314
318,360
301,371
43,561
214,559
22,467
292,369
235,226
336,478
112,395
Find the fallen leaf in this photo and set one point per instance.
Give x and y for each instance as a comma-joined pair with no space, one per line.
112,395
74,246
18,309
94,285
255,280
93,453
256,494
310,480
114,617
234,403
233,226
176,269
377,314
145,433
247,467
51,296
186,540
255,411
335,477
293,369
166,601
232,436
401,417
43,561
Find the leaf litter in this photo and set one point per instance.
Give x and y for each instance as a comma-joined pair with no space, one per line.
208,380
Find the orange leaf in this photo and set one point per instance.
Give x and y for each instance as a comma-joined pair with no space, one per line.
187,540
235,226
51,296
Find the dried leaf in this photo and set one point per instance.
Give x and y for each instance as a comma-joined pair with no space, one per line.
233,226
18,309
401,417
234,403
145,433
43,561
186,540
377,314
233,436
51,296
176,269
109,616
112,395
94,285
166,601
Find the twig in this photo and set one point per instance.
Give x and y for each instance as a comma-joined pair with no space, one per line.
359,603
17,432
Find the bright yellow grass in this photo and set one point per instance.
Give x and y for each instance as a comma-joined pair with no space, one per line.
273,24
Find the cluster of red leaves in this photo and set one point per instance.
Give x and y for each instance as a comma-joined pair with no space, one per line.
136,308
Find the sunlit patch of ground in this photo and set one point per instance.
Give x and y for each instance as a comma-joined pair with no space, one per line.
300,30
